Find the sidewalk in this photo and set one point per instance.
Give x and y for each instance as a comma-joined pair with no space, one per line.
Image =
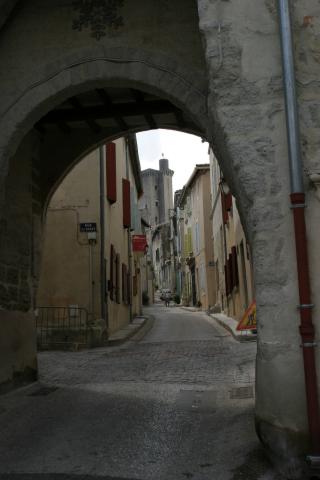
231,324
125,333
228,323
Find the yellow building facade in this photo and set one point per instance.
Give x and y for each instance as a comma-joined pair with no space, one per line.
198,276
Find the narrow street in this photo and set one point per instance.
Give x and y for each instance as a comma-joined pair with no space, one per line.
176,404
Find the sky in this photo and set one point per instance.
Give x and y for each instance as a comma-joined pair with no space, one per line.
181,149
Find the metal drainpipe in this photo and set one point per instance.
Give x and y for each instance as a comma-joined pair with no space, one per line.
298,207
102,238
129,237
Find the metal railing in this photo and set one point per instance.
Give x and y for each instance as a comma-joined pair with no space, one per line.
61,327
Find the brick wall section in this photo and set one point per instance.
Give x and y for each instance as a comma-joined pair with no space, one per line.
20,236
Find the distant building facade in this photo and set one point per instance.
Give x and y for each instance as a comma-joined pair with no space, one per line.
232,257
157,199
195,245
156,207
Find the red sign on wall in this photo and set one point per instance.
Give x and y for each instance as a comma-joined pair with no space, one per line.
139,243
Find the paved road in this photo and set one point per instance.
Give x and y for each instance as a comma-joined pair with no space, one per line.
176,405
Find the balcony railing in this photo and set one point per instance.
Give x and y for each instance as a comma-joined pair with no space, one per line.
61,327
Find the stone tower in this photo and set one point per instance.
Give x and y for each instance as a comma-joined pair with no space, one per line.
157,199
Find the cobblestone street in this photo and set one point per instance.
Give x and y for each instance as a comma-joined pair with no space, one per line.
176,404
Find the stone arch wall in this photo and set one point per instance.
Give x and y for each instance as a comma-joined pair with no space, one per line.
235,96
25,156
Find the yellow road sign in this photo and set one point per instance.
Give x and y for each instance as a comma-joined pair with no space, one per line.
249,319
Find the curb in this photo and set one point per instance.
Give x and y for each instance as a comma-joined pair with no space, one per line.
190,309
232,329
145,328
128,332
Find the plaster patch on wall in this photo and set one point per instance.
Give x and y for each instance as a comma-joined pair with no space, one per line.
98,15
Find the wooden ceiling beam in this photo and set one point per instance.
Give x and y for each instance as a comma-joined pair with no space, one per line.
81,110
139,98
110,106
99,112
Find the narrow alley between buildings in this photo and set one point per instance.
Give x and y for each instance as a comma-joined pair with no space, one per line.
175,403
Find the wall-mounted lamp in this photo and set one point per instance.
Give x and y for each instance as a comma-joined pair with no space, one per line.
315,180
224,186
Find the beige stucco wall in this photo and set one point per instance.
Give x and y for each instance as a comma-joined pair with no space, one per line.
225,237
197,221
118,314
66,278
65,271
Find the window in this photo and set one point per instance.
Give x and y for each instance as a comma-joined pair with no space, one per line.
117,269
157,203
111,172
126,200
125,293
155,220
112,279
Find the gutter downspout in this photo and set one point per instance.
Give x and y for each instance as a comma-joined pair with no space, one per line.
298,205
129,237
103,299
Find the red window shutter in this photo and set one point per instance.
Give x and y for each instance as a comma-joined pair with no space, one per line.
124,284
224,210
226,278
126,203
231,279
111,285
111,172
228,201
118,278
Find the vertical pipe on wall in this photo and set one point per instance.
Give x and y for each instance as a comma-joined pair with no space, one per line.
90,282
129,238
102,237
298,206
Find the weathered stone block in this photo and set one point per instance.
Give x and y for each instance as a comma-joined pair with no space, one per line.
4,297
12,276
2,273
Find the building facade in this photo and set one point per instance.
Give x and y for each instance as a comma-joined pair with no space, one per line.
195,245
156,207
157,199
86,265
232,258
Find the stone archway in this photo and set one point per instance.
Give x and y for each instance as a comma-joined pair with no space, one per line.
233,92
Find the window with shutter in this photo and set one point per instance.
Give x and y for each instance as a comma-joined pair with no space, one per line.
231,279
124,284
228,201
227,280
128,289
224,208
111,283
111,172
126,200
117,289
